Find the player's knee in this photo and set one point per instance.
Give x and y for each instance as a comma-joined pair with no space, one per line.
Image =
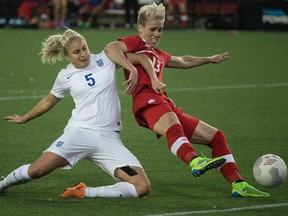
219,145
36,172
143,189
141,183
219,137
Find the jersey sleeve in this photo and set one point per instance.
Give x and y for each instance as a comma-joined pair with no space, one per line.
102,55
166,56
57,89
133,43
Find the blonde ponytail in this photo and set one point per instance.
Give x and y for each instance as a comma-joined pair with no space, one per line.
54,47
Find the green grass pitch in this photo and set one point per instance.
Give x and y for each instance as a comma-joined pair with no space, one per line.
246,97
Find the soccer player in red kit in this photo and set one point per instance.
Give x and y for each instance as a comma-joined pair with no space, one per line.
153,109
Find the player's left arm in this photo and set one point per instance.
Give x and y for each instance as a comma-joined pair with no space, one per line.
185,62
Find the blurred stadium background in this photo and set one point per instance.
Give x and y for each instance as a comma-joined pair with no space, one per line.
211,14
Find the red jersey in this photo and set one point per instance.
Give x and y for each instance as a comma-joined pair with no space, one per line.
159,58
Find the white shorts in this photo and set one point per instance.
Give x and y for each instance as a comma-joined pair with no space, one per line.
103,148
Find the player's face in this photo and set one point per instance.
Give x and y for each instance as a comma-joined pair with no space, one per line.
152,31
78,53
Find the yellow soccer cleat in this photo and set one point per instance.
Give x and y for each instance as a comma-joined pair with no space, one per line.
243,189
200,165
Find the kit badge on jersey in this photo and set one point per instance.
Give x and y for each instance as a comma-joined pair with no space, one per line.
59,144
100,63
151,101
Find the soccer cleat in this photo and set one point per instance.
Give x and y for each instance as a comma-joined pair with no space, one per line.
76,192
200,165
243,189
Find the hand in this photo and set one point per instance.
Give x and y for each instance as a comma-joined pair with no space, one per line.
15,119
158,87
219,57
131,82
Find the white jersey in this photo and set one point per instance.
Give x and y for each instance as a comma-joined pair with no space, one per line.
94,91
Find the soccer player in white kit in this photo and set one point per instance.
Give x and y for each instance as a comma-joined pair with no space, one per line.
93,130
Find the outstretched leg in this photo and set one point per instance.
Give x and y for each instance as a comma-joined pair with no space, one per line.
169,126
215,139
45,164
134,183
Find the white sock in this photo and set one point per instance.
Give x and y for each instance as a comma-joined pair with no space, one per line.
18,176
120,189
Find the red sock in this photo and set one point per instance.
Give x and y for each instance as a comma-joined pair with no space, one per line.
220,147
178,143
230,172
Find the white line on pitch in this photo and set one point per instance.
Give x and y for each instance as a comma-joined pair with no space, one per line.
223,210
248,86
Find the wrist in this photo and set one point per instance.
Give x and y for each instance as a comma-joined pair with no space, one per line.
211,60
24,119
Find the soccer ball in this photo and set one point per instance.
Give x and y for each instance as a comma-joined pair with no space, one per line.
270,170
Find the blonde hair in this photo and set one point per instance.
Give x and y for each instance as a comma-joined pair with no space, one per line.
151,11
56,45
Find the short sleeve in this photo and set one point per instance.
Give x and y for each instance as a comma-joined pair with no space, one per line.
57,89
133,43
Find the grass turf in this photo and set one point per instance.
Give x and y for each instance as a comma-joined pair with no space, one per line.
246,97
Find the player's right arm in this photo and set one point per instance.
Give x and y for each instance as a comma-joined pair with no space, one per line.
115,51
42,107
146,63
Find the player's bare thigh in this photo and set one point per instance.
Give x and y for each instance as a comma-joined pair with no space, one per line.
203,133
165,122
45,164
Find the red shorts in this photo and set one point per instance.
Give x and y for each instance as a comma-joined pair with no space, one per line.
148,107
